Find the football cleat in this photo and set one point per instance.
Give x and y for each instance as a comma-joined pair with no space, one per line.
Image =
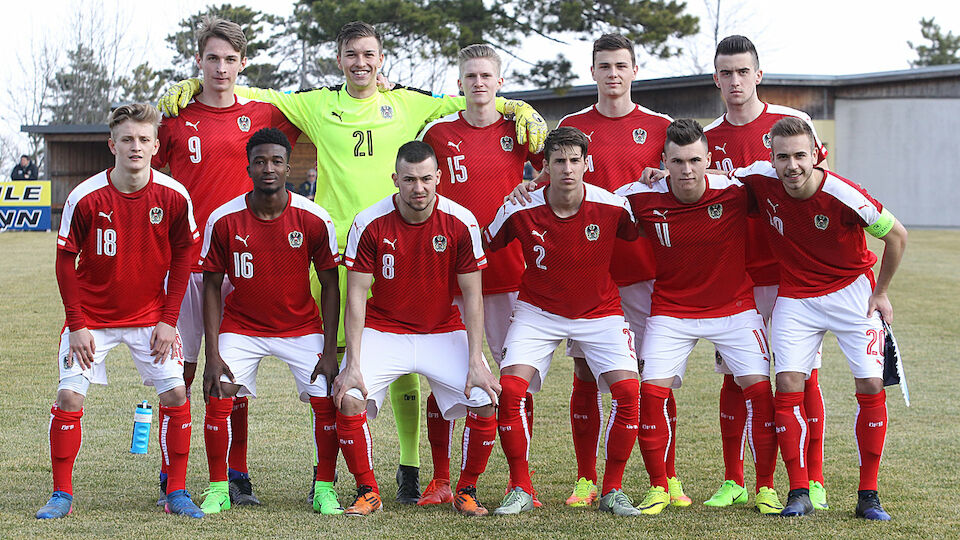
515,501
325,499
730,493
618,503
585,493
408,484
437,492
677,496
162,501
818,496
241,492
655,501
868,506
467,504
798,503
366,503
178,502
216,499
536,501
768,502
59,505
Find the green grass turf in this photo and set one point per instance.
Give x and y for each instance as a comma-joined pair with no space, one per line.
116,491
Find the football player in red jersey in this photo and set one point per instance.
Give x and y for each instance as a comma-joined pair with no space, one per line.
567,234
132,230
204,149
267,237
478,147
815,225
417,244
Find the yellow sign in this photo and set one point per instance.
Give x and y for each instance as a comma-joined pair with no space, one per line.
25,193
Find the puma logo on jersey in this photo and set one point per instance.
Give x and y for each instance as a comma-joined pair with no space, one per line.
194,125
108,216
661,215
590,136
773,205
721,148
457,146
538,234
243,239
391,243
335,113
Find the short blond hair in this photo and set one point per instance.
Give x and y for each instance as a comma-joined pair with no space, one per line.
142,113
478,50
212,26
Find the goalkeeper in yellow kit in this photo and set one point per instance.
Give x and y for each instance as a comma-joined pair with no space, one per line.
357,131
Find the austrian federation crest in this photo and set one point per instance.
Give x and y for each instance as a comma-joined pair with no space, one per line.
386,111
767,141
439,243
295,238
506,143
156,215
715,210
821,221
243,122
639,136
592,231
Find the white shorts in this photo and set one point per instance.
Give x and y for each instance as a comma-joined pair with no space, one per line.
799,324
635,300
534,335
740,338
497,309
441,358
163,376
190,322
242,354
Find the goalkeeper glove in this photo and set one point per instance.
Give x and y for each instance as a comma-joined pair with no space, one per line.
177,96
531,127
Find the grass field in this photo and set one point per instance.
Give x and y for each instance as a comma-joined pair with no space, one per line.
115,491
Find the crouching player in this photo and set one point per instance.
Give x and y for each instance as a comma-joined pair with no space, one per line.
130,227
567,233
698,225
266,240
415,243
817,222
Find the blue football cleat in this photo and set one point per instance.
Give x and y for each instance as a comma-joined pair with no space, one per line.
798,503
178,502
59,505
868,506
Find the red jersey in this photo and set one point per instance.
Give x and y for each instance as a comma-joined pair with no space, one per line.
568,259
484,164
619,150
699,248
206,149
734,146
414,264
268,263
818,241
125,243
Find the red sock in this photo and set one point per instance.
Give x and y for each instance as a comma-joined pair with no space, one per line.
871,431
813,404
514,437
621,431
175,427
758,399
479,436
671,461
357,448
792,436
66,435
238,440
654,432
217,435
586,408
733,418
528,407
325,437
439,433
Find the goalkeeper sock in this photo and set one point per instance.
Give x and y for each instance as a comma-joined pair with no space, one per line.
405,399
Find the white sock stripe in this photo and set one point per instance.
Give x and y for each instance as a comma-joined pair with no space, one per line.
823,418
463,451
600,427
856,440
316,447
610,421
369,441
803,434
229,436
526,428
748,431
450,426
666,416
163,440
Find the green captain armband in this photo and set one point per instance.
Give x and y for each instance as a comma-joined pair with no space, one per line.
881,226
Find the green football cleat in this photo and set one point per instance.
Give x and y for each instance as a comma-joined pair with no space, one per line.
515,501
768,502
818,496
677,496
325,499
655,501
730,493
216,499
618,503
584,493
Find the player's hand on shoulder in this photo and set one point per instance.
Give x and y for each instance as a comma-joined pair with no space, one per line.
161,342
178,96
348,379
880,302
521,194
82,348
530,126
651,176
384,84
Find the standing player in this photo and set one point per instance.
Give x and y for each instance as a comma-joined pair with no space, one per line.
131,227
479,149
816,224
737,139
694,217
204,149
567,235
357,131
416,243
266,241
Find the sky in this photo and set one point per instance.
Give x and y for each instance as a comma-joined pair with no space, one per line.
821,37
